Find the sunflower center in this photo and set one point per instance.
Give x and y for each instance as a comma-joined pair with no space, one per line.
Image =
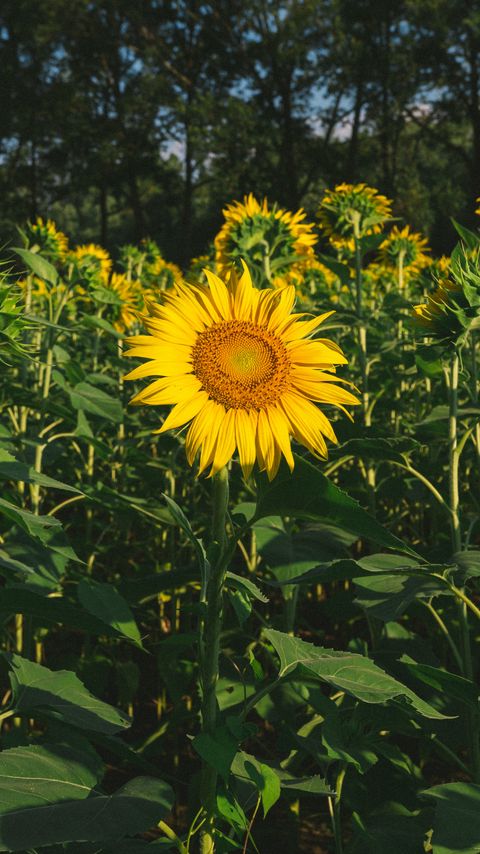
241,365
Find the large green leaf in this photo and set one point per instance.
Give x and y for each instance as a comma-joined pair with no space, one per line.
355,674
106,603
38,265
13,469
46,610
60,694
456,829
136,807
298,786
40,774
387,597
88,398
307,494
378,449
47,529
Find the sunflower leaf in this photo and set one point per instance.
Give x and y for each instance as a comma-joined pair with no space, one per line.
307,494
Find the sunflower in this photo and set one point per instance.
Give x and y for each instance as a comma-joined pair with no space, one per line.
125,302
271,239
97,256
407,247
49,240
351,210
240,370
438,315
164,274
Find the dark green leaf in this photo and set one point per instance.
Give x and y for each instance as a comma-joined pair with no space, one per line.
308,494
38,265
60,694
40,774
217,749
13,469
136,807
109,606
355,674
456,829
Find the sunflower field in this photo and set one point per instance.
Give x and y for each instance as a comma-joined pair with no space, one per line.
240,538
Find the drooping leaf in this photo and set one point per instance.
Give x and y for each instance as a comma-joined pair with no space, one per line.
13,469
197,544
88,398
61,695
350,672
456,828
308,494
47,529
46,610
238,582
109,606
45,774
267,783
136,807
38,265
387,597
217,749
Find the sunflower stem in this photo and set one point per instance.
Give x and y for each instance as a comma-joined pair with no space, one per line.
462,600
210,651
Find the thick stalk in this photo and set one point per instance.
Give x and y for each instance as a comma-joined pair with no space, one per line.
334,807
454,495
473,345
210,651
454,500
362,341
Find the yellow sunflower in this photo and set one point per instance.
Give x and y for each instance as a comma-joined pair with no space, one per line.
432,316
164,274
352,210
407,247
271,239
240,369
126,301
96,255
48,238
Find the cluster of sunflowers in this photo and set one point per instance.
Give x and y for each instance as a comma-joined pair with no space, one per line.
87,279
279,246
224,368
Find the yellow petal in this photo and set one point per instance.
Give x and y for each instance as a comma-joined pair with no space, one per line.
183,412
245,430
225,445
219,295
281,433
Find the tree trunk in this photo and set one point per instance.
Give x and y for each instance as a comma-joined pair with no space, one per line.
352,155
288,174
187,207
103,213
33,181
475,119
135,203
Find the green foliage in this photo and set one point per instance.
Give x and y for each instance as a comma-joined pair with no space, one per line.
347,603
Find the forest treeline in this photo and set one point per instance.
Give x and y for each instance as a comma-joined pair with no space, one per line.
124,119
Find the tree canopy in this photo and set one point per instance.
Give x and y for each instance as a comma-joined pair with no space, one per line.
125,120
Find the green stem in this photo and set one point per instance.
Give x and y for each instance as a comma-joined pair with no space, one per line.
266,262
335,806
473,345
464,601
453,455
444,629
173,836
363,349
210,651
